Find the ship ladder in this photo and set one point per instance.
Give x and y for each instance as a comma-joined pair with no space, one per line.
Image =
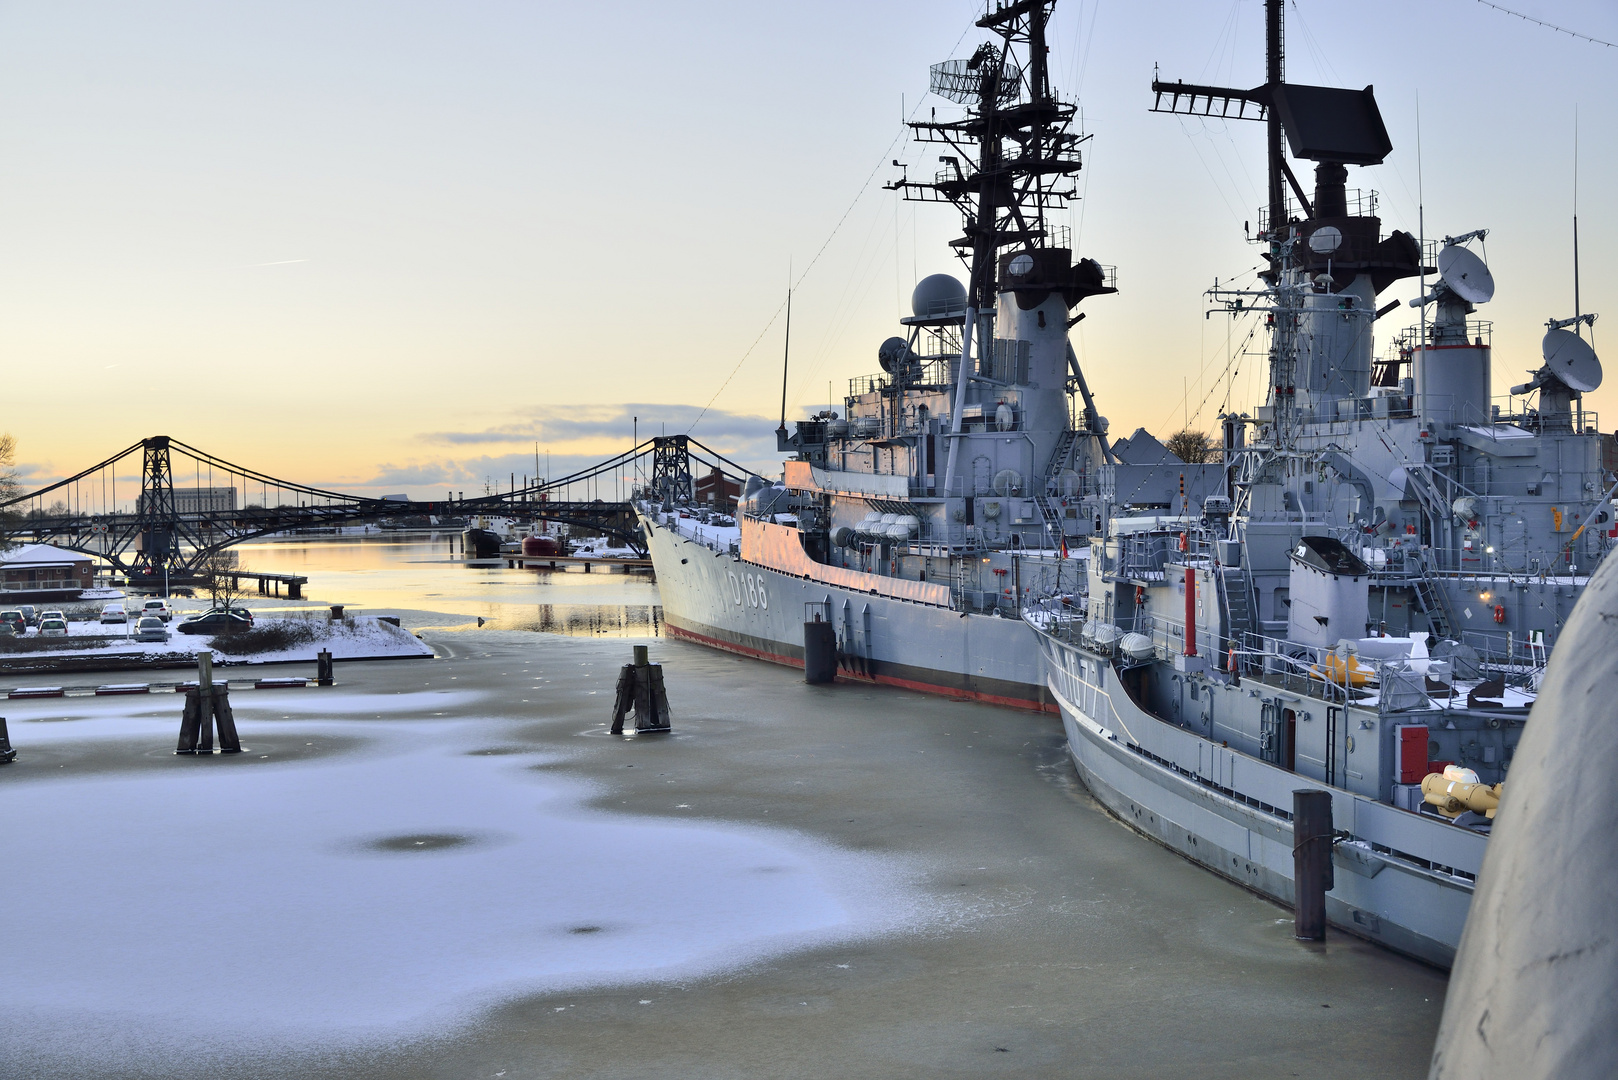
1238,604
1430,599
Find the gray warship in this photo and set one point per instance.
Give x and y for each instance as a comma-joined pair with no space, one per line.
1367,605
966,474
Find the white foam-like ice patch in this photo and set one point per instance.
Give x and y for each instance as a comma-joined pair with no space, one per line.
255,902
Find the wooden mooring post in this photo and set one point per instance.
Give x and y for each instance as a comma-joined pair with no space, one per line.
206,705
1312,874
640,688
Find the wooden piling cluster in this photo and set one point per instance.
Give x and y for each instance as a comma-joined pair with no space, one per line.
640,688
205,706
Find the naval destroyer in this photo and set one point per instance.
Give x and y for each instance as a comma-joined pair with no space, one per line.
1367,604
966,474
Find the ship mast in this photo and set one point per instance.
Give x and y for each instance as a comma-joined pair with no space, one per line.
1334,128
1012,162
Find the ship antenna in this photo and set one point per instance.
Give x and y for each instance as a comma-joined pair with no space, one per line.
786,351
1577,310
1421,228
1275,73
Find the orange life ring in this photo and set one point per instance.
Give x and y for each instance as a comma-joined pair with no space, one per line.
1499,613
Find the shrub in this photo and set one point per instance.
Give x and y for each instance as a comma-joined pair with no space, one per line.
269,637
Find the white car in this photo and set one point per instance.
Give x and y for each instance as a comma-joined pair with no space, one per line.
151,628
114,613
52,627
52,614
157,609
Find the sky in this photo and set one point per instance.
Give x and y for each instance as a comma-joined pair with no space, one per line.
391,246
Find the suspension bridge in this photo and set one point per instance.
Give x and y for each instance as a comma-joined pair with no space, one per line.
161,531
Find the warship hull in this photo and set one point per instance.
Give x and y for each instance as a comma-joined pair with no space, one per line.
1402,880
720,600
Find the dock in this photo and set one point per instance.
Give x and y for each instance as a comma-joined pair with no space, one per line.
554,562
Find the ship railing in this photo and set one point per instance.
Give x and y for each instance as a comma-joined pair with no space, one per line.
1146,555
1505,568
1336,676
931,371
1361,203
1479,333
1519,663
1512,409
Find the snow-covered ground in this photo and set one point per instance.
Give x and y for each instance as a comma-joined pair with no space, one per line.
356,637
224,906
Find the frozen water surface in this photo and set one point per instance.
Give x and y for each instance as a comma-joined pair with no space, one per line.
387,891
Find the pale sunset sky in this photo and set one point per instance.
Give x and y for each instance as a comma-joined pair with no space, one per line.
389,246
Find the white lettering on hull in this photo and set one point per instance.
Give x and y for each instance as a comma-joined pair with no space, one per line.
748,590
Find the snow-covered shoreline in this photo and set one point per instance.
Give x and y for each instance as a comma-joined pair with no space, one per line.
356,637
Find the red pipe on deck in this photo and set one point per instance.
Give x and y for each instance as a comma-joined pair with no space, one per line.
1190,612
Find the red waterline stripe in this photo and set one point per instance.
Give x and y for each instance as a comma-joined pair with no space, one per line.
886,680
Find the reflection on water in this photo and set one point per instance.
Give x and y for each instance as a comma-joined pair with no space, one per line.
578,620
418,576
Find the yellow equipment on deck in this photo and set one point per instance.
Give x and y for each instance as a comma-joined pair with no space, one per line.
1343,672
1457,790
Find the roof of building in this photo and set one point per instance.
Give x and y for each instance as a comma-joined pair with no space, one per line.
40,554
1143,448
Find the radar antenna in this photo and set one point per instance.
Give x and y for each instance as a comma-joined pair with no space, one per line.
1009,164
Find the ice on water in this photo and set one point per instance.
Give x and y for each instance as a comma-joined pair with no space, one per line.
289,903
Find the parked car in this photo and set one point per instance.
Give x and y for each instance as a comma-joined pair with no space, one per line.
114,613
52,627
151,628
158,609
30,614
239,612
51,613
14,619
215,622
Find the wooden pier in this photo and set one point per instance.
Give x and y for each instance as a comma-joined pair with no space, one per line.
553,562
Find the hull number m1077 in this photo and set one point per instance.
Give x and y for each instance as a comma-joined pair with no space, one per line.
747,590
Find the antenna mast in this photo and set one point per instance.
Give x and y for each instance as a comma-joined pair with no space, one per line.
786,355
1017,130
1577,310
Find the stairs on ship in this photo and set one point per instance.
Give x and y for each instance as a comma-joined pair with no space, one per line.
1053,482
1238,601
1430,601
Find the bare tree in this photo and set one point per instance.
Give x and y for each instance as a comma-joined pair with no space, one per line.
10,488
1191,447
224,588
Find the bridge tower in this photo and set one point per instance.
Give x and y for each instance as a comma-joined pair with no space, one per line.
157,519
671,468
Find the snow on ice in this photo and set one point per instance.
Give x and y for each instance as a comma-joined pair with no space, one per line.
377,893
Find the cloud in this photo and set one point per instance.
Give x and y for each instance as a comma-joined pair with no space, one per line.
602,429
572,438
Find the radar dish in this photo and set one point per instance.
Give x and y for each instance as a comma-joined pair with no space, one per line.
1571,359
963,81
1325,240
1466,275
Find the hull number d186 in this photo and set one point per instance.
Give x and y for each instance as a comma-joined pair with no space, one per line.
747,590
